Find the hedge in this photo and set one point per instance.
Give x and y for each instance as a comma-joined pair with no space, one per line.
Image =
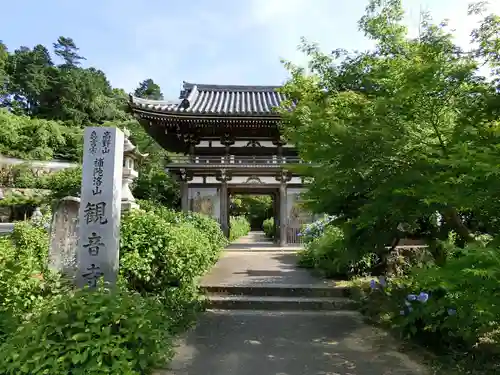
240,226
268,227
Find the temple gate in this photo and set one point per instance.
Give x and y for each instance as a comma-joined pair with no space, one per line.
228,141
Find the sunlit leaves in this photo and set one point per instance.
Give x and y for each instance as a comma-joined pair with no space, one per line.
401,131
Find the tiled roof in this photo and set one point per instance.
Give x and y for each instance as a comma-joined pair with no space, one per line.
226,100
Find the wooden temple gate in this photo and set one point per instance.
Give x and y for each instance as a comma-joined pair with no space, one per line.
227,140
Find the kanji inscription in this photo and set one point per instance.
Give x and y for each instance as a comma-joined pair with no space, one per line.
95,213
92,275
94,244
100,206
97,176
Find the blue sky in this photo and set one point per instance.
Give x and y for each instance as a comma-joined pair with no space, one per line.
203,41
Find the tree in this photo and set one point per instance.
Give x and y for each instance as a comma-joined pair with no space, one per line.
50,104
401,133
148,89
28,78
256,208
67,50
82,96
4,55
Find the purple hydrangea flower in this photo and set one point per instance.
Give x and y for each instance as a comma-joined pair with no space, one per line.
411,297
423,297
373,284
382,281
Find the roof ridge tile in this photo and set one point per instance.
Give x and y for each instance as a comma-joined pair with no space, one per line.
222,100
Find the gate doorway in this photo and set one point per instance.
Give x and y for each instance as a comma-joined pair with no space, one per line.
259,205
255,207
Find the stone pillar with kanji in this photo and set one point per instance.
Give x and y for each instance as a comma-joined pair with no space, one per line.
100,207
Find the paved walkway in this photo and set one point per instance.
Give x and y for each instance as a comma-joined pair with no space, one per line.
250,342
257,241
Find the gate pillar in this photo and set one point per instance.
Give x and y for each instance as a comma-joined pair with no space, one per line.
185,177
276,216
224,209
224,202
282,214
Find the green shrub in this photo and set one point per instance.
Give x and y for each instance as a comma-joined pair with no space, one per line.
268,227
25,284
210,228
156,254
448,305
90,332
329,254
207,226
20,176
240,227
32,244
63,183
254,207
163,253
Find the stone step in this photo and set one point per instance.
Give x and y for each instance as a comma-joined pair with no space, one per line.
354,314
283,290
220,302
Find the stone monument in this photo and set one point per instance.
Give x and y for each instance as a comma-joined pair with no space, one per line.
100,206
64,237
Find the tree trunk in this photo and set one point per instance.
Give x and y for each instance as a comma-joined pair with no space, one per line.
455,221
382,268
437,250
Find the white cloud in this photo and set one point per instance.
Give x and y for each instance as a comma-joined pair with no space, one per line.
321,21
210,44
454,11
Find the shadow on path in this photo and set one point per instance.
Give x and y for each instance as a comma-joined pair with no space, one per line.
258,241
259,268
250,343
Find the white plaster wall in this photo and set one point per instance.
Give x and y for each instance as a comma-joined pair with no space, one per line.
196,180
293,197
295,180
52,164
206,192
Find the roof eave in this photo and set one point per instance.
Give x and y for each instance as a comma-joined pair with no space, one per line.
211,116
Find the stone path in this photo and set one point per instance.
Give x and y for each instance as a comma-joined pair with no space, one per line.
289,332
257,241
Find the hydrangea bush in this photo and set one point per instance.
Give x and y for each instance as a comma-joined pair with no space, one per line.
447,305
316,229
326,251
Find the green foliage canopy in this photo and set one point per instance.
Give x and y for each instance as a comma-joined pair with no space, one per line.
401,132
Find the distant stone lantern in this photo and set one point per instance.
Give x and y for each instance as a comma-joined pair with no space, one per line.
37,215
130,157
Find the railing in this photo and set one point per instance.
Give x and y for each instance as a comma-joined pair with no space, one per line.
236,160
